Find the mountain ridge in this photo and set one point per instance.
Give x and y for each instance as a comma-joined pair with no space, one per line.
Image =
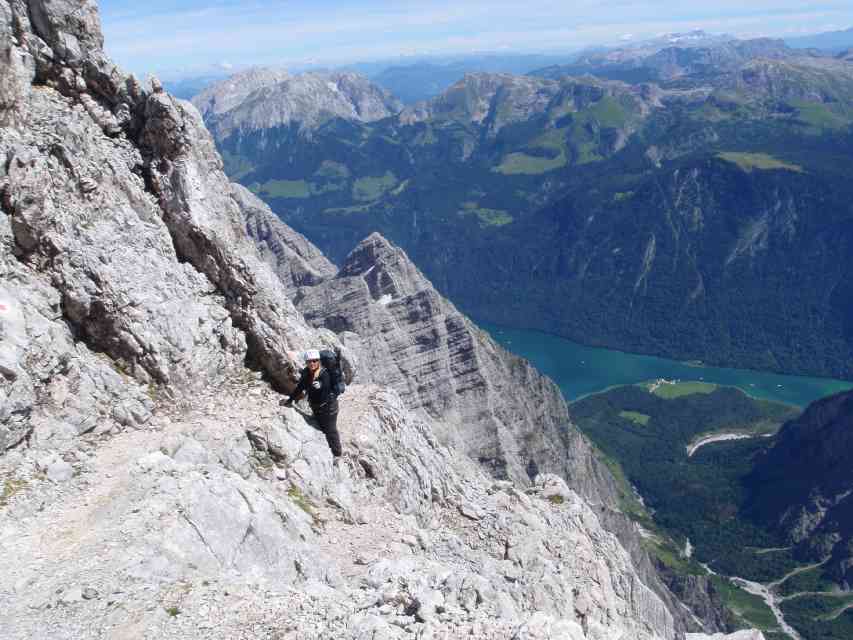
264,98
497,158
808,471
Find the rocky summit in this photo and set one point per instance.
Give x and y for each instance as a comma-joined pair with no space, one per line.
152,486
263,98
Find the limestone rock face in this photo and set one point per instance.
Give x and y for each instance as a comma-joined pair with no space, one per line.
224,96
490,404
294,259
266,100
483,400
139,232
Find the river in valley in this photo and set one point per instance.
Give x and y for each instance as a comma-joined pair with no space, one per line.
580,370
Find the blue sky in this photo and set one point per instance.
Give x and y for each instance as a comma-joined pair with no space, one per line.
160,36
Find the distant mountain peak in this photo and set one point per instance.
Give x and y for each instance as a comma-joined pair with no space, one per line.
696,34
230,92
265,98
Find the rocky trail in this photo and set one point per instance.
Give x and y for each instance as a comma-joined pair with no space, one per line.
176,527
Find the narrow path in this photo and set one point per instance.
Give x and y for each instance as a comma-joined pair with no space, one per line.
761,552
840,611
720,437
827,594
808,567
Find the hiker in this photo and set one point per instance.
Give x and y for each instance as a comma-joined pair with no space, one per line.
317,381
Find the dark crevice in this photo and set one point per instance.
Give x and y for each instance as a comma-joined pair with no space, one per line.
202,538
6,199
248,505
193,247
25,438
99,338
369,471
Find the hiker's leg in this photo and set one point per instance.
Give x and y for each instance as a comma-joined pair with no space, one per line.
332,435
329,426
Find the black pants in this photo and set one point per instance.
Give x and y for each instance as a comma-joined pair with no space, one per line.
327,419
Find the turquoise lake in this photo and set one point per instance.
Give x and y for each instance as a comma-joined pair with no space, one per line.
580,370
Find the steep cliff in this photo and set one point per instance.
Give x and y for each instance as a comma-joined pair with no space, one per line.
262,99
151,486
492,405
485,401
223,96
804,484
291,256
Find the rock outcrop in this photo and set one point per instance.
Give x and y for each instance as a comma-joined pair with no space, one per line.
490,404
291,256
161,528
229,93
151,485
263,100
804,485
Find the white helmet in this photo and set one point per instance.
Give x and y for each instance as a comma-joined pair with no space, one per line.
312,354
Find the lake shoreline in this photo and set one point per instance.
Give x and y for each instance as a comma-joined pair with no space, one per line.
581,371
693,363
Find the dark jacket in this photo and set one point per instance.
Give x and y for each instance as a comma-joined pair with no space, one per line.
322,398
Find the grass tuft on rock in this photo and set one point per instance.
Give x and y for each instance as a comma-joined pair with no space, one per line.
302,502
10,488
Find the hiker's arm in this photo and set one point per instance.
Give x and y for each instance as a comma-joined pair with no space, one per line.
299,391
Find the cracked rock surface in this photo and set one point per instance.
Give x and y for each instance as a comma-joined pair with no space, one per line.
228,515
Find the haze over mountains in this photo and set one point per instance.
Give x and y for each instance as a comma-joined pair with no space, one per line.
415,78
686,197
827,41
